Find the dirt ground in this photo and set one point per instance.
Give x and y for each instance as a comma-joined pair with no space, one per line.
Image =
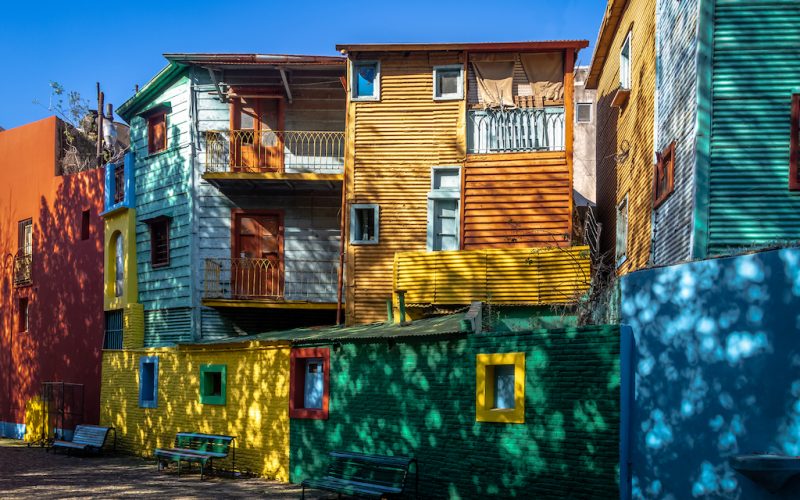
33,473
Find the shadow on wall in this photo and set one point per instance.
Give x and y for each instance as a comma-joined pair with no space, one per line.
717,374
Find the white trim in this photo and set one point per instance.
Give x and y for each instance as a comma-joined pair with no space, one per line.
354,81
459,95
442,194
354,227
629,66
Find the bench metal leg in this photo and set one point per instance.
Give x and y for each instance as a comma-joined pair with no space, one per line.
303,493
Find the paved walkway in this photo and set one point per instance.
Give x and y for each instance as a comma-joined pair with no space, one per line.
33,473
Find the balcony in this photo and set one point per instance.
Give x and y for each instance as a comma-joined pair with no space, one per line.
515,130
267,283
23,264
503,276
277,156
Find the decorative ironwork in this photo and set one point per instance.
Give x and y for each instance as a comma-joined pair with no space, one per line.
274,151
23,263
265,279
516,130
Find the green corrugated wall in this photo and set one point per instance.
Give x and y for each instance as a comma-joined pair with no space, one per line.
756,66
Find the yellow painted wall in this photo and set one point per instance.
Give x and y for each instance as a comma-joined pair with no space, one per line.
123,221
256,409
629,126
36,425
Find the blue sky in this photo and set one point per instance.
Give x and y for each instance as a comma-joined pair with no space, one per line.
44,41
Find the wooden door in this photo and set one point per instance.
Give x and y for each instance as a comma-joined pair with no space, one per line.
257,143
257,263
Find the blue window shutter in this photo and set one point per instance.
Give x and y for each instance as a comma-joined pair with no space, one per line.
108,196
148,382
130,191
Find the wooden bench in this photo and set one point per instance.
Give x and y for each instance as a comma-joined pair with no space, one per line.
363,475
85,438
192,447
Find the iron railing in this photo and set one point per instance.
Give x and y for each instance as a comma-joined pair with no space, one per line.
274,151
515,130
265,279
23,264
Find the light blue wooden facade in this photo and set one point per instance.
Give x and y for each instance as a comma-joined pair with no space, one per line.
171,183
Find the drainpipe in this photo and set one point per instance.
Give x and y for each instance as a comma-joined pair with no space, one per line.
401,304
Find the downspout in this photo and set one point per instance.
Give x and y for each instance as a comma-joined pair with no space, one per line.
343,208
197,333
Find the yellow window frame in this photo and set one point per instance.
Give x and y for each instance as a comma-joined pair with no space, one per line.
484,388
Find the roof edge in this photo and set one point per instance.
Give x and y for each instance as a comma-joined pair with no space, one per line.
475,46
163,77
608,27
249,58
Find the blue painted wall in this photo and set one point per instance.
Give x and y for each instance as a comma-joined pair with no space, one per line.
717,372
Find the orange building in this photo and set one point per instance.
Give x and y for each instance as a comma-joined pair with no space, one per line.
51,280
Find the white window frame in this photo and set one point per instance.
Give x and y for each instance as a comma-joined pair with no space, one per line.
625,76
591,112
354,223
354,81
624,241
459,94
443,194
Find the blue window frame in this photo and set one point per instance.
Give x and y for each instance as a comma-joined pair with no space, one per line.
148,382
365,81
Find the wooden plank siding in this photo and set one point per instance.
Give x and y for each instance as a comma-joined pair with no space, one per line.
625,152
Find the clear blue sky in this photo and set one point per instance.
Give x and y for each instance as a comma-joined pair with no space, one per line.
44,41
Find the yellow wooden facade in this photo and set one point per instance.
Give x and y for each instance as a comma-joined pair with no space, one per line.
625,149
256,411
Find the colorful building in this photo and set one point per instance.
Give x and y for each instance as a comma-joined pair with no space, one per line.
51,330
459,177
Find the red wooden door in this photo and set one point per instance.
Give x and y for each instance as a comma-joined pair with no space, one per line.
257,264
256,144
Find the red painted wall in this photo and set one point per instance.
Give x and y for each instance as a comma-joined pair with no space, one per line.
65,335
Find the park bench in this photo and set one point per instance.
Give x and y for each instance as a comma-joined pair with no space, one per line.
192,447
85,438
358,474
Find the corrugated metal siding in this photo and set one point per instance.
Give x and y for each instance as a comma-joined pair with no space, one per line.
755,69
167,326
632,126
395,143
676,83
517,200
501,276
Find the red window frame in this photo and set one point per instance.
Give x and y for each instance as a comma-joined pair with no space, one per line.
664,176
156,121
297,382
794,145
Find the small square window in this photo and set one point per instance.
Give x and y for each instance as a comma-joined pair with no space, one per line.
309,383
157,132
583,112
622,231
500,388
664,178
448,82
159,241
364,224
148,382
85,224
22,314
365,81
213,384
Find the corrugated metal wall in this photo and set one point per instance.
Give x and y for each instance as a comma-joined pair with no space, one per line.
755,69
676,84
517,200
167,326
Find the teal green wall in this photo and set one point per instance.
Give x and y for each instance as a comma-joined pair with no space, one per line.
755,69
417,397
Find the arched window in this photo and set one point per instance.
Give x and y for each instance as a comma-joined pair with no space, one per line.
119,264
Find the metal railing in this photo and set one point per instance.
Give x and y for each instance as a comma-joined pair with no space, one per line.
274,151
23,264
515,130
264,279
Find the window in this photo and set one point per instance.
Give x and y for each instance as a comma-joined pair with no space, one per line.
114,330
119,183
583,112
500,388
622,231
309,383
213,384
22,314
664,178
159,241
794,153
157,132
148,382
119,264
85,221
25,236
448,82
364,222
443,209
365,84
625,63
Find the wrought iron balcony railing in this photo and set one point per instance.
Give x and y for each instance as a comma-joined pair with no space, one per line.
515,130
266,279
23,263
274,151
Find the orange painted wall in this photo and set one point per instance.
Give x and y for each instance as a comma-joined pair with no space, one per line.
65,335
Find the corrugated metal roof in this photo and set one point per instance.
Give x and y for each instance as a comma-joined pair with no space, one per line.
253,59
475,46
442,325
